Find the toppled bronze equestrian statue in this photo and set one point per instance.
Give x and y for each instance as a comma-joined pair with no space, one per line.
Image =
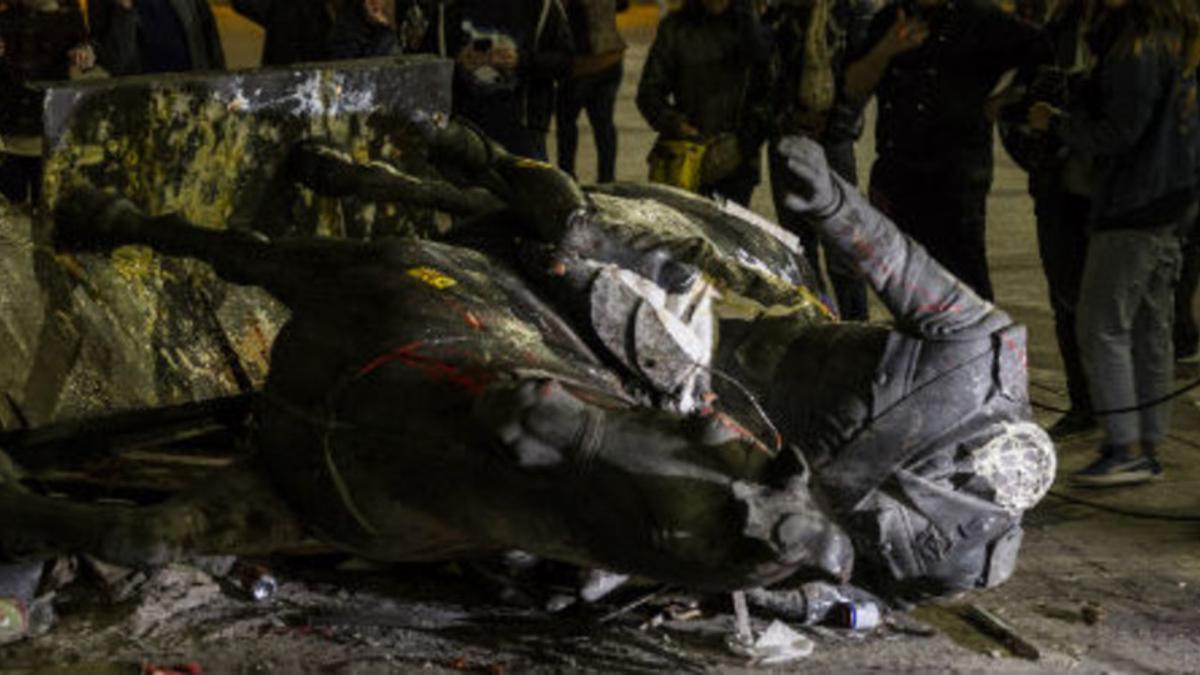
625,377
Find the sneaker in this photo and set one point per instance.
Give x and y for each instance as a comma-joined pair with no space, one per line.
1116,468
1072,423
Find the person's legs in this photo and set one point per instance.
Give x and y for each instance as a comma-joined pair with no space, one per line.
535,145
968,239
1186,335
1119,266
737,187
601,103
566,119
1062,243
20,178
916,208
945,213
1153,357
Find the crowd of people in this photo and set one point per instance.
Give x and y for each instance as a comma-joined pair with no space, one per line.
1095,98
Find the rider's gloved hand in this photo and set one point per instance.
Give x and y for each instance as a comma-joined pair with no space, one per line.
817,194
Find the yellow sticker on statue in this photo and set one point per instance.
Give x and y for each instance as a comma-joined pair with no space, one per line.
432,277
529,163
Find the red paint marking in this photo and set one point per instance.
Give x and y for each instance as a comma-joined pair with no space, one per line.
468,316
940,308
433,369
1016,348
729,423
395,354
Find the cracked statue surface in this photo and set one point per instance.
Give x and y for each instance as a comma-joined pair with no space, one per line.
624,377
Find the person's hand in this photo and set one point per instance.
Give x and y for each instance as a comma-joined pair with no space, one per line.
124,4
376,12
471,58
1041,114
815,191
686,130
81,58
504,57
907,33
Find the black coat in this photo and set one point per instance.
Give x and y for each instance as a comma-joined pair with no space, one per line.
710,72
355,36
36,45
297,30
117,35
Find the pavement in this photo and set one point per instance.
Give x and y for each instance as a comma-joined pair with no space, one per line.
1130,555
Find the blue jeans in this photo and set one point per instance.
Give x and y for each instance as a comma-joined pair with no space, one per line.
1124,327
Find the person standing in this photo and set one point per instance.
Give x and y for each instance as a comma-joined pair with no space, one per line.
508,56
365,29
813,39
707,74
1137,118
1186,333
40,40
1061,184
296,30
155,36
933,65
595,79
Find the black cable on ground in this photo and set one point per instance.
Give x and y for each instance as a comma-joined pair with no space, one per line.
1121,511
1116,411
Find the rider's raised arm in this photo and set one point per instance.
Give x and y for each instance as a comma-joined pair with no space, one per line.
923,297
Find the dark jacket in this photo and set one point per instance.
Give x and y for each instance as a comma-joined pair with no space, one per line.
1138,120
1043,155
354,36
598,43
847,34
297,30
544,43
120,37
35,48
710,72
932,99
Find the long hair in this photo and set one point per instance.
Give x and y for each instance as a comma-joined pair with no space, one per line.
1169,24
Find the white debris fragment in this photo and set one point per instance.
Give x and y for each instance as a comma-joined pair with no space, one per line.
776,645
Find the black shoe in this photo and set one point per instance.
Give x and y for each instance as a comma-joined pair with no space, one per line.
1116,468
1072,423
1190,353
